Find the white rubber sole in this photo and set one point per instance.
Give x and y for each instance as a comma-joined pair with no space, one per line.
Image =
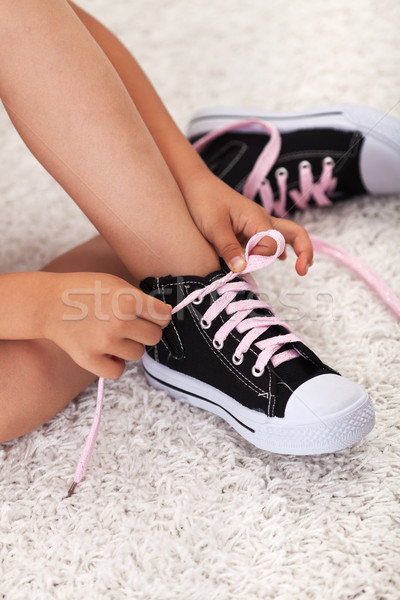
274,434
369,121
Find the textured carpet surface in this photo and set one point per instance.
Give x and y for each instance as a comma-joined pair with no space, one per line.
175,505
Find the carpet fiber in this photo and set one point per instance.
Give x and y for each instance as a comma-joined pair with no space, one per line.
175,505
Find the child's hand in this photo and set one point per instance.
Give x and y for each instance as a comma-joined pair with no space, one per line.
100,320
228,220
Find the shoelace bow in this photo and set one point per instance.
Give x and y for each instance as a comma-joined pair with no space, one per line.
257,181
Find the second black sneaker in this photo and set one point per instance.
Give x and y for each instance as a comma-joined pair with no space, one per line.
290,161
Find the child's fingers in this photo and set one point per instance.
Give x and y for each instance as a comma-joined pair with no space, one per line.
153,310
126,350
267,246
259,220
139,330
298,238
283,256
224,240
303,248
107,366
302,264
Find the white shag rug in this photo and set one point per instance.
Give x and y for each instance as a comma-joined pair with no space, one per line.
175,505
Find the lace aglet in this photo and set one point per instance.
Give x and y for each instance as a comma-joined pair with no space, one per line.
71,489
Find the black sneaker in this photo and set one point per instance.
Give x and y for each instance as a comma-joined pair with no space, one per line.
313,157
225,351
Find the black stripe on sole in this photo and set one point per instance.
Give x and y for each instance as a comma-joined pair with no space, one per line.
199,397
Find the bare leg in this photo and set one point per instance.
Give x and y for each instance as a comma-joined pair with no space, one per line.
175,148
79,120
37,378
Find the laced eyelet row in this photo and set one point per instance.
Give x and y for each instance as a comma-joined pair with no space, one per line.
254,371
237,360
304,164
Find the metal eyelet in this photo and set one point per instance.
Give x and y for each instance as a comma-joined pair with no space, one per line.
218,345
198,301
328,160
256,372
205,324
237,360
281,172
305,164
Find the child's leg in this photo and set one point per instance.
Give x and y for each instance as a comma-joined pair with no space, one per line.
180,156
37,378
74,113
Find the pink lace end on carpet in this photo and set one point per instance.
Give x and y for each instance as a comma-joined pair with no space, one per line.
90,441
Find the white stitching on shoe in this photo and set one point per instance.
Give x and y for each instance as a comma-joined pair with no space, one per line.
223,359
217,155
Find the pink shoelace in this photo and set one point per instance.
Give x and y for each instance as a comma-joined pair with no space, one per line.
257,181
254,326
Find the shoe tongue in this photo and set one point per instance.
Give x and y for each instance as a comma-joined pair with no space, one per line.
150,284
167,284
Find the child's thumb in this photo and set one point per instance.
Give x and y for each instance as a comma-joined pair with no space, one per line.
227,246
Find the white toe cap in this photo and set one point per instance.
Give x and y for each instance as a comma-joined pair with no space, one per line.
324,396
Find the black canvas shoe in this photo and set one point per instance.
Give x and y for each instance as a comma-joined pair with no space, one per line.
290,161
225,351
